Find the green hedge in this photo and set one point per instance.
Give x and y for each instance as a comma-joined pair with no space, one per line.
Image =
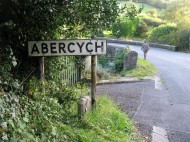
163,34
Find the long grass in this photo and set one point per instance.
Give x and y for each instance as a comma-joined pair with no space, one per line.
107,124
144,68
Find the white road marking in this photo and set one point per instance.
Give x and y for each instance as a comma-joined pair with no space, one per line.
159,135
158,83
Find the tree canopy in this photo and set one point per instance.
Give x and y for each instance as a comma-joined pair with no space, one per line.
25,20
178,11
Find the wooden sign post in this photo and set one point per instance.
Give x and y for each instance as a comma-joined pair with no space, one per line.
93,81
42,74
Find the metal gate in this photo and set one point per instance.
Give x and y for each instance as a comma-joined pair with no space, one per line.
71,74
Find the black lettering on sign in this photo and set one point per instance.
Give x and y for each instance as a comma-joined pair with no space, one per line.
53,47
44,48
62,47
35,49
87,47
80,46
98,46
69,49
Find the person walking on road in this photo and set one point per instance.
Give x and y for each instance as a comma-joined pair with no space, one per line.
145,48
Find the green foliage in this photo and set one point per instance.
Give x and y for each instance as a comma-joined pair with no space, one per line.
142,29
23,21
125,27
53,66
178,12
156,3
143,69
119,58
152,13
8,62
182,38
152,21
40,116
61,91
107,123
44,119
163,34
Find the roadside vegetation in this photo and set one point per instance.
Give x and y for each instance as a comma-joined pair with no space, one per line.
43,118
45,111
164,22
143,69
112,67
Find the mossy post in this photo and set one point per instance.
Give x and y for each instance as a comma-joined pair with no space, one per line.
93,78
93,83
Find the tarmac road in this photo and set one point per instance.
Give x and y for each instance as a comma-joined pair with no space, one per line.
167,106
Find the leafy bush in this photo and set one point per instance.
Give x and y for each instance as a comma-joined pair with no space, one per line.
119,58
23,21
40,116
152,13
142,29
182,38
163,34
44,119
125,28
65,94
152,21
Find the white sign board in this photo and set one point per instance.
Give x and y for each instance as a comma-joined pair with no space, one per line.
67,47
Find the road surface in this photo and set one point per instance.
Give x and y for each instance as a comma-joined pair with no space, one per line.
168,108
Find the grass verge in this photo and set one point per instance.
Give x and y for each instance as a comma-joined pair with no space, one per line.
46,120
144,68
108,123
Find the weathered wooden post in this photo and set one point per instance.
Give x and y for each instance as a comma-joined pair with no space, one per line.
93,83
42,74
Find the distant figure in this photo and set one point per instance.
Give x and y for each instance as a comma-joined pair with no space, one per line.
145,48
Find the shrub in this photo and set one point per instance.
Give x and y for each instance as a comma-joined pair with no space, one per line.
182,39
65,94
153,13
163,34
119,58
152,21
39,116
125,28
142,29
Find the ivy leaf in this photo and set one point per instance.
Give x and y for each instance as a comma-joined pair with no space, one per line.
4,125
53,132
22,124
25,119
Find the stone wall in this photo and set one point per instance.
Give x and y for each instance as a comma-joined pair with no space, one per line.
131,42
